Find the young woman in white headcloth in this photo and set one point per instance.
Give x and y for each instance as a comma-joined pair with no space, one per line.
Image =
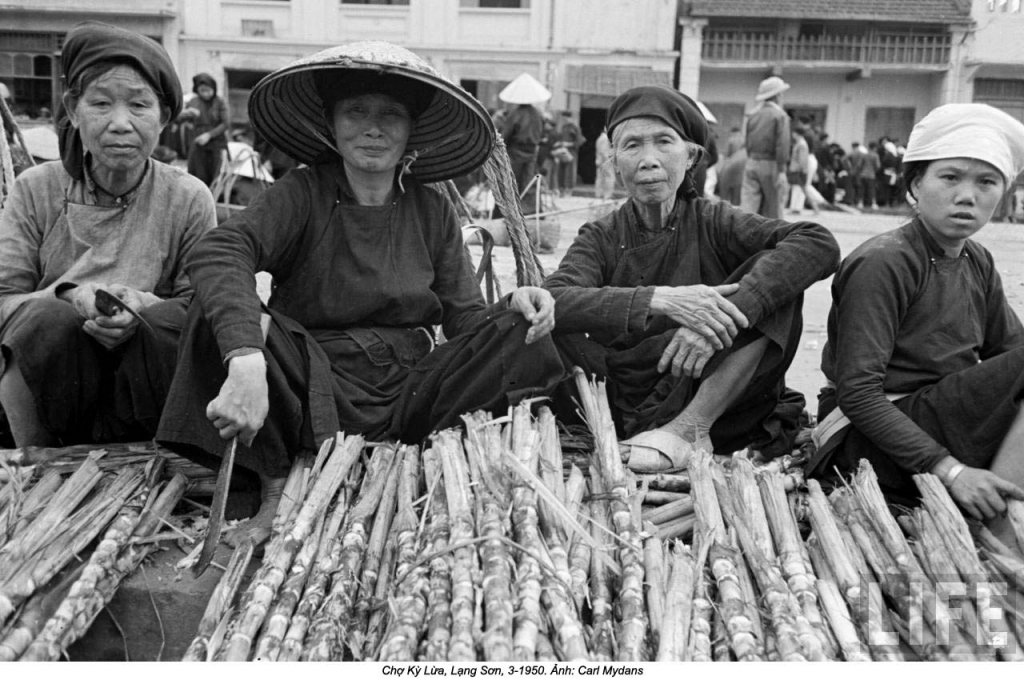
366,261
925,357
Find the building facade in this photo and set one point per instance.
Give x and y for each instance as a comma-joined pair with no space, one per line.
860,69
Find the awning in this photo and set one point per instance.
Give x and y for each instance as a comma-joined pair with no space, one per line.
611,81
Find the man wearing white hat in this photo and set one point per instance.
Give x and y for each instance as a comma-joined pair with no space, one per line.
764,179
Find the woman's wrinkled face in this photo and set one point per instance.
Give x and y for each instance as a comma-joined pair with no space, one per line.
651,158
956,197
119,118
371,132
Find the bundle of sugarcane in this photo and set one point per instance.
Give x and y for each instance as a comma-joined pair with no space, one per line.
31,463
126,507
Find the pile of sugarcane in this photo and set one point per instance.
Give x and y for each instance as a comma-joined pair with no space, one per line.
476,548
68,538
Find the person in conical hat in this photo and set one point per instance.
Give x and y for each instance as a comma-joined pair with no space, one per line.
366,262
925,356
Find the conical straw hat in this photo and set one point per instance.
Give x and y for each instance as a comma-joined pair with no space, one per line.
524,90
452,137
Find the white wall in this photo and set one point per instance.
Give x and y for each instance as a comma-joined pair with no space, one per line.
999,34
642,25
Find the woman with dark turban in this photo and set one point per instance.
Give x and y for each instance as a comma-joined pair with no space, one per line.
925,356
689,308
366,262
106,217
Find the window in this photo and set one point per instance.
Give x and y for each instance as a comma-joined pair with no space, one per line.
1003,93
258,28
30,79
496,4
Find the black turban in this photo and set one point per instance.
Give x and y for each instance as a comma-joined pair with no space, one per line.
671,106
93,42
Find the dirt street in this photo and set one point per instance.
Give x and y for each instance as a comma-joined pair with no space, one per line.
1005,241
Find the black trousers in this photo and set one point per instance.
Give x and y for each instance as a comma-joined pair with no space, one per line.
380,382
83,392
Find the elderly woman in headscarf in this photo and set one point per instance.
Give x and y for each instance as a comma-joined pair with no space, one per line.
689,308
104,218
925,357
366,261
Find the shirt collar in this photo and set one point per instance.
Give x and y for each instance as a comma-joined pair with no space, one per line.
93,190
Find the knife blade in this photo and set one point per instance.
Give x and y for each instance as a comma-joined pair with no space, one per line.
217,507
109,305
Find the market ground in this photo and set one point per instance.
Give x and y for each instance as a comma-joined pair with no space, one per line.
1004,240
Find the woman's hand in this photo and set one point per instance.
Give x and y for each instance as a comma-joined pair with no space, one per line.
538,307
242,405
687,353
108,331
202,139
702,309
980,493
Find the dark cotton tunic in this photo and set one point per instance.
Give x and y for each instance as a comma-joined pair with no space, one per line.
605,283
357,290
908,320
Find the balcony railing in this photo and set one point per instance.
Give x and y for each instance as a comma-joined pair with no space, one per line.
874,49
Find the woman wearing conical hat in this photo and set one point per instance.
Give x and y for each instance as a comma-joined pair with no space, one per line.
366,261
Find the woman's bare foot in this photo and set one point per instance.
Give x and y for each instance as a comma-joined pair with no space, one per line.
257,528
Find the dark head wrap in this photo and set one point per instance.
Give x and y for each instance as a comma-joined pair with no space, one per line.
93,43
334,86
203,79
668,105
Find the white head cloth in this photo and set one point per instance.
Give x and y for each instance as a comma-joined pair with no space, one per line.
976,131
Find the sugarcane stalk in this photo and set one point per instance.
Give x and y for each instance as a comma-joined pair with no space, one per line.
410,608
382,525
37,498
219,603
462,646
579,563
747,501
678,610
527,619
37,568
790,550
483,447
681,507
866,606
439,598
328,555
54,508
678,482
601,620
734,610
872,502
632,623
33,616
331,629
705,498
575,487
268,645
680,527
836,611
90,601
654,558
699,647
282,550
